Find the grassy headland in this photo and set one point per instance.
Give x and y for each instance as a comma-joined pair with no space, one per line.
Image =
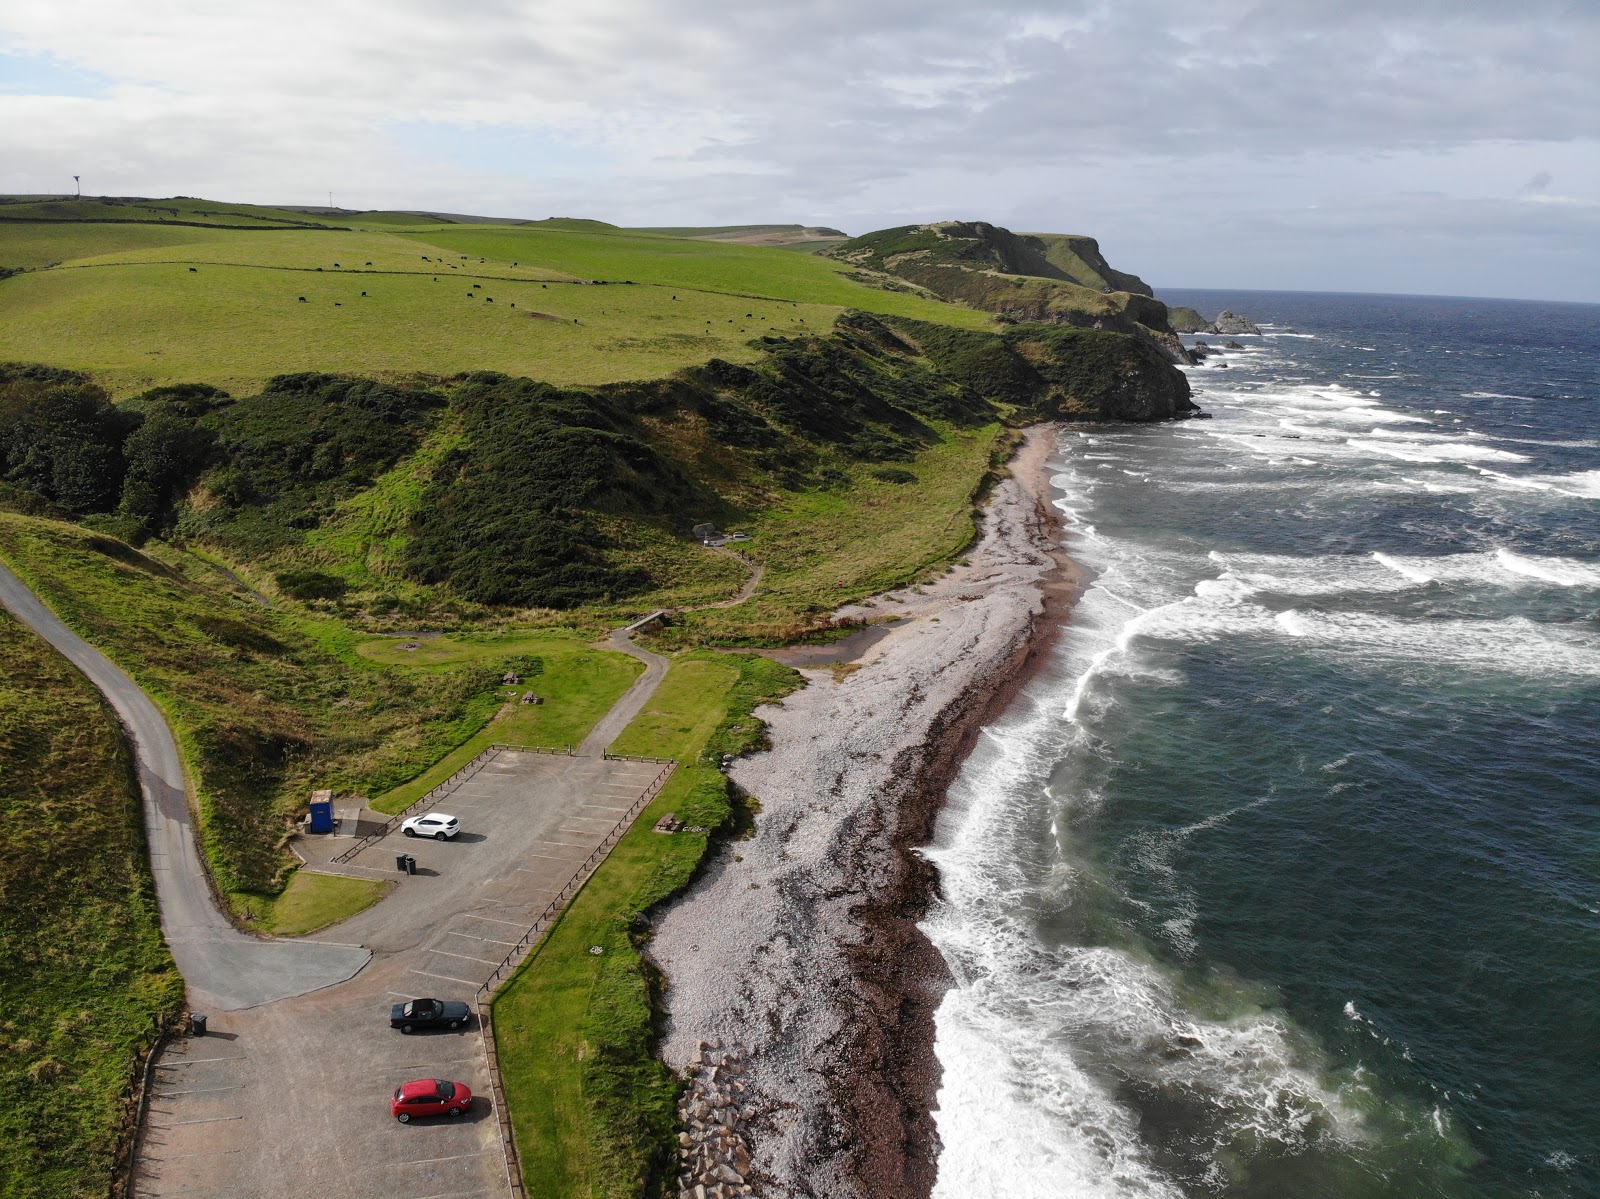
86,977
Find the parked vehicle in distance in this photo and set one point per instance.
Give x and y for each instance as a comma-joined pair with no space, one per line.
429,1013
429,1097
432,824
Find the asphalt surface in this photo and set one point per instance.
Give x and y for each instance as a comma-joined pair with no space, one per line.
225,969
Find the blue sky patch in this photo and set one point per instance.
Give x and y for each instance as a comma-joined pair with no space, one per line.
41,75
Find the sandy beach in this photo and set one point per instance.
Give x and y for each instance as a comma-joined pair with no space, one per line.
799,947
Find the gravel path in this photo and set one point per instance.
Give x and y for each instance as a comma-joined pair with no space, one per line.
768,951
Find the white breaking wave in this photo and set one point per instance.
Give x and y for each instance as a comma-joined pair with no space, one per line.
1584,484
1415,574
1022,1108
1564,572
1418,451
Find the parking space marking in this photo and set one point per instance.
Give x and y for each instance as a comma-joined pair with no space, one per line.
196,1061
428,1161
199,1091
493,919
208,1120
451,932
583,845
467,982
466,956
550,857
454,1061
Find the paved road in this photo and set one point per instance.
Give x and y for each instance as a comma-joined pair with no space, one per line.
633,699
225,969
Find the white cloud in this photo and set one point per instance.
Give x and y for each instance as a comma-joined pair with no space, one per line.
683,110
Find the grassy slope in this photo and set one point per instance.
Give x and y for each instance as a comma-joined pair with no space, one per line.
127,308
83,990
592,1107
825,548
578,687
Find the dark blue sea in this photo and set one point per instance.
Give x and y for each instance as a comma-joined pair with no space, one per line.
1282,880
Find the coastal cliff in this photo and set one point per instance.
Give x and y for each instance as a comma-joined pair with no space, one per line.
1048,278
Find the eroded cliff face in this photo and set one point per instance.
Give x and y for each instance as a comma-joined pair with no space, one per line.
1037,278
1056,371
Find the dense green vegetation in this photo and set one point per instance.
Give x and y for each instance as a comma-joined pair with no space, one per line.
592,1106
86,977
1058,371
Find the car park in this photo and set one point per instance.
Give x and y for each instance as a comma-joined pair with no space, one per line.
432,824
429,1097
429,1013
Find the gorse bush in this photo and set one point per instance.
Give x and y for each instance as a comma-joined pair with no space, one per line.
310,584
61,438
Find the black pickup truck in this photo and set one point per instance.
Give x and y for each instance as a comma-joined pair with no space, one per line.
429,1013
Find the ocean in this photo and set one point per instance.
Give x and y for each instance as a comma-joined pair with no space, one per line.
1282,878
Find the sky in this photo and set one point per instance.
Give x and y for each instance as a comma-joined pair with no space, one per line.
1434,146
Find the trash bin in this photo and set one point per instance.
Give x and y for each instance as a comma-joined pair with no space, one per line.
408,863
197,1023
400,862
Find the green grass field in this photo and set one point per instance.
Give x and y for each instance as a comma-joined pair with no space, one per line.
83,970
124,304
822,549
592,1107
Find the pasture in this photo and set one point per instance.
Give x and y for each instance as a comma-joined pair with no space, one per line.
140,305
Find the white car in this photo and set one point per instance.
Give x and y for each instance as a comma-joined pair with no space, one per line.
432,824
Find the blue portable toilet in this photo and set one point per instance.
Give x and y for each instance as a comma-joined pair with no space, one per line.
321,812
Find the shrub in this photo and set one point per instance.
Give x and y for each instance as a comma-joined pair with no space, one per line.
309,584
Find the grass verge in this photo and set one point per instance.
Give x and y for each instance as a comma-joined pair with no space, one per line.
313,901
85,975
592,1106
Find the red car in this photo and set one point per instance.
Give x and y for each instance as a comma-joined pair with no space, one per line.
429,1097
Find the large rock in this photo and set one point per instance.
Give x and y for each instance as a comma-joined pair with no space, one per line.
1232,322
1184,319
